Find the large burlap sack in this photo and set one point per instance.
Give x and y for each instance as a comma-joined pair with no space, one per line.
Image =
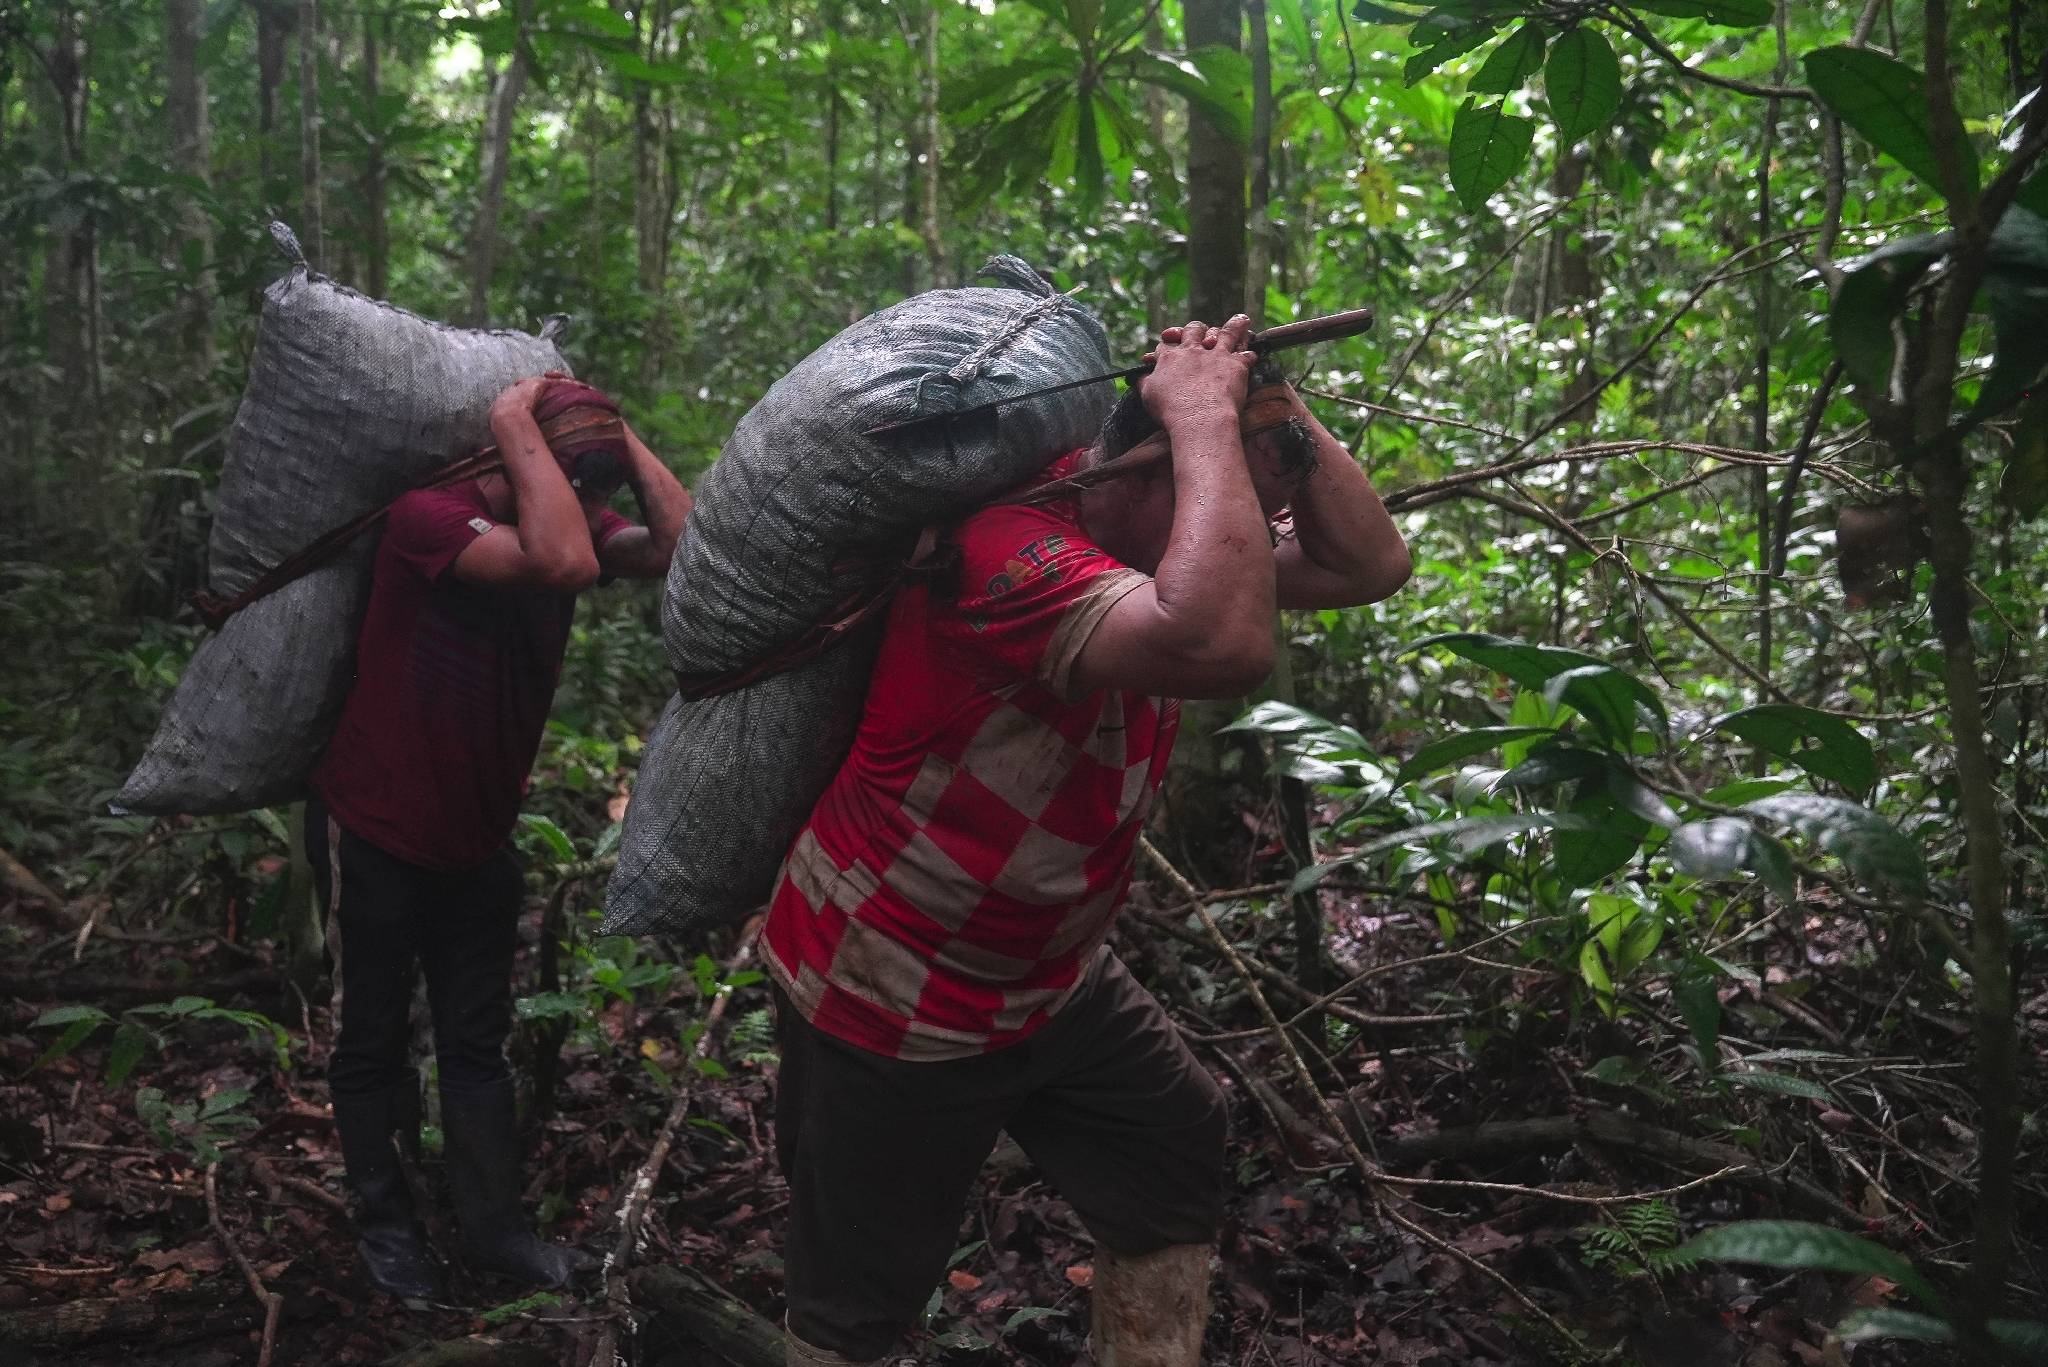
727,782
351,402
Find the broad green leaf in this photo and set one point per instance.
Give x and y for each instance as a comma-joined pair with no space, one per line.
1380,14
1841,754
1604,839
1563,764
1463,745
1534,666
1467,834
1874,289
1746,790
2024,484
2033,195
548,1005
2028,1339
1721,845
1582,82
1028,1314
1698,1000
1519,56
1869,846
1727,13
1886,101
1488,146
222,1102
130,1043
2016,291
1448,44
67,1015
1637,798
1884,1322
1226,89
1810,1248
998,80
1780,1084
70,1039
553,836
1605,696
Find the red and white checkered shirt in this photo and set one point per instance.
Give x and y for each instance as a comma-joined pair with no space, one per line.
976,844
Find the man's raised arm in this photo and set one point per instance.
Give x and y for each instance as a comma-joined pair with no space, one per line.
644,552
1203,628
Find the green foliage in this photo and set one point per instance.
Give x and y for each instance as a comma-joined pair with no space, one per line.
203,1126
1582,81
1821,744
1810,1247
141,1028
1641,1241
1886,101
1488,145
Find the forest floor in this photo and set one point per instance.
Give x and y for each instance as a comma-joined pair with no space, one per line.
1451,1068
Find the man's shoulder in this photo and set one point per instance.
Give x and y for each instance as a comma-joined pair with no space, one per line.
430,514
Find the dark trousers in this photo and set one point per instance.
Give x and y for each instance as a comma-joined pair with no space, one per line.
880,1153
390,917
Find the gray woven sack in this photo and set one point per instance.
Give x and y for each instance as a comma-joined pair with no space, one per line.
350,403
726,783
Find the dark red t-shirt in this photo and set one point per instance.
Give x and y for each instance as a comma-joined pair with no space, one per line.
452,689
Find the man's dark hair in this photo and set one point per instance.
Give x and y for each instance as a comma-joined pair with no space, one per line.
1128,424
598,471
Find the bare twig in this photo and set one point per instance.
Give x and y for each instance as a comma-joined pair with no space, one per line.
273,1303
1368,1171
1642,33
634,1208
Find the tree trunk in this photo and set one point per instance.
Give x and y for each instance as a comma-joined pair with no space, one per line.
1291,796
1216,175
275,20
506,89
934,244
312,232
1155,122
1259,262
377,234
831,119
191,141
1760,411
1197,810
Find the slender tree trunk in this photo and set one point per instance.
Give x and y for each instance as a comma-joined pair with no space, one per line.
1155,123
1216,181
832,104
1259,260
934,243
191,141
312,233
1760,412
501,110
653,200
1197,787
274,22
1291,798
377,238
71,257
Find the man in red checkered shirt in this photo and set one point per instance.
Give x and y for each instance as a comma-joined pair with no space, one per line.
936,939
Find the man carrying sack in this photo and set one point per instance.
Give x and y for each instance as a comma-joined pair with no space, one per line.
416,797
936,938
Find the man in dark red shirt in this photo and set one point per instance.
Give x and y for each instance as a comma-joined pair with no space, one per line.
937,937
418,792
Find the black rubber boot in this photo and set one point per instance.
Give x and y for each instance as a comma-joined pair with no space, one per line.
483,1178
393,1249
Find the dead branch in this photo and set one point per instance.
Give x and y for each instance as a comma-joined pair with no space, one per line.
273,1304
1367,1169
474,1352
634,1208
167,1317
712,1315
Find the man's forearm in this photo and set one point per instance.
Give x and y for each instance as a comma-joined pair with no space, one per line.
550,525
1346,549
1217,573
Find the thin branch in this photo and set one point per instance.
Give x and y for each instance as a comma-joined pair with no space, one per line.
1782,524
1368,1171
273,1303
1649,40
1458,297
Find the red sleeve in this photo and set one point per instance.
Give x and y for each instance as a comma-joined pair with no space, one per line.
609,525
429,528
1031,590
